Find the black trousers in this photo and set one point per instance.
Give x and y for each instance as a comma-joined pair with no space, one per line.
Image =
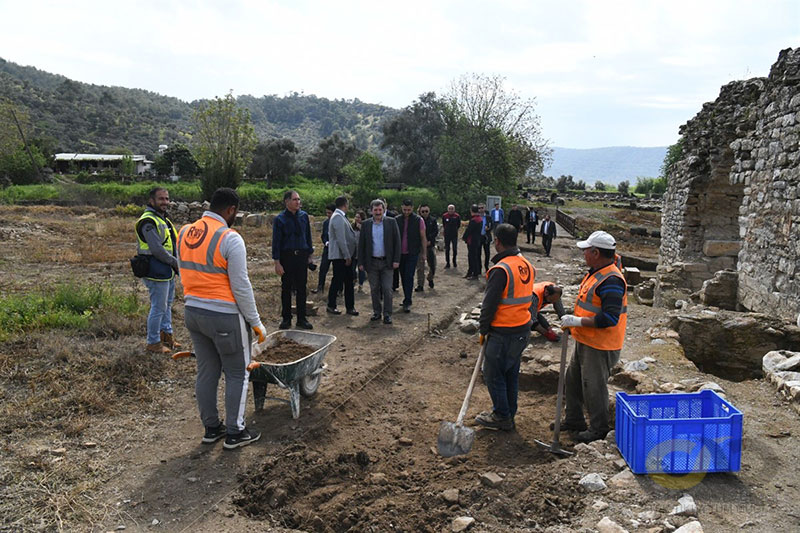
448,240
547,242
324,264
530,230
486,243
295,276
474,258
342,277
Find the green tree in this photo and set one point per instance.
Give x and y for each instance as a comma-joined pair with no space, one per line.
565,183
127,167
366,177
623,187
177,159
330,156
673,155
599,186
275,160
224,141
475,162
17,168
486,103
411,139
579,185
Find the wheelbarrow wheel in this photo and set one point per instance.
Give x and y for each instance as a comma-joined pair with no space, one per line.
309,384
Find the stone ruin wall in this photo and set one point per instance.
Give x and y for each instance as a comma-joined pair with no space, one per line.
732,200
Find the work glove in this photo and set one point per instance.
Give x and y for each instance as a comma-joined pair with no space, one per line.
570,321
482,339
551,335
259,332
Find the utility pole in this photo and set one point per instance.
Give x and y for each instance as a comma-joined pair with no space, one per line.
25,142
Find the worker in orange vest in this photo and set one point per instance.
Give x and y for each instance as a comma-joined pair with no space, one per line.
598,325
546,293
221,316
505,326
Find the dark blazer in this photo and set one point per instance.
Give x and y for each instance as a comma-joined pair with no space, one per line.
472,235
391,242
551,231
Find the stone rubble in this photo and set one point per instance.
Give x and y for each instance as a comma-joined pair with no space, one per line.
593,483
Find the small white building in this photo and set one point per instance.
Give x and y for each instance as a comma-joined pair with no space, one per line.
97,162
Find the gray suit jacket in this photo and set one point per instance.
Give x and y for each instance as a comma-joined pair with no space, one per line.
341,237
391,242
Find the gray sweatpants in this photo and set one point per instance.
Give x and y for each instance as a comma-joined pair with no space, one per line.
587,385
222,344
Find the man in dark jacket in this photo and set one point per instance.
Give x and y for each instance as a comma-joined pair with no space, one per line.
429,258
451,223
157,239
486,236
324,263
548,234
412,242
472,236
532,220
378,255
515,218
291,251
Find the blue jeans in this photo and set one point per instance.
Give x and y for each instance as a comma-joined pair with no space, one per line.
501,371
160,318
408,266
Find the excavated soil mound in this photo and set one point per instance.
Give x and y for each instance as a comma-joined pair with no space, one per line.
286,351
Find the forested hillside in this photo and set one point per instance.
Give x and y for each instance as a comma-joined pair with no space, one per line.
82,117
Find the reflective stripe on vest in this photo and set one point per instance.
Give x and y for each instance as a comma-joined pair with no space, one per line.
204,271
588,304
163,227
514,307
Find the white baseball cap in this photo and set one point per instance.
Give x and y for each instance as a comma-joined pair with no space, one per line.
599,239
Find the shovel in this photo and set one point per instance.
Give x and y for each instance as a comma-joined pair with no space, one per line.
455,439
555,447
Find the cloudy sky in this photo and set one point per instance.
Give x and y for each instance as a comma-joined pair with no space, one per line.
603,72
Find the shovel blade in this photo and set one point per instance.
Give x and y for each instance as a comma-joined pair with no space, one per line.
454,439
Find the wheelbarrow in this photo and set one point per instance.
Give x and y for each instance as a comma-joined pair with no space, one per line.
301,377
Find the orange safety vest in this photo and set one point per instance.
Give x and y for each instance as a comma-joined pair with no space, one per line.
538,290
589,304
204,272
514,307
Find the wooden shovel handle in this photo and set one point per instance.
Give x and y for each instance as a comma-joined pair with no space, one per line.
465,405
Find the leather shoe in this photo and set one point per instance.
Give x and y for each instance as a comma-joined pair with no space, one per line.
374,318
419,289
569,426
157,347
588,436
387,320
430,283
304,324
332,310
286,324
406,308
352,312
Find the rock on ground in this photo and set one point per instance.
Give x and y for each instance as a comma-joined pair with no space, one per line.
462,523
606,525
592,482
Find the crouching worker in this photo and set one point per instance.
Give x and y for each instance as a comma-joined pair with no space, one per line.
505,325
547,293
221,316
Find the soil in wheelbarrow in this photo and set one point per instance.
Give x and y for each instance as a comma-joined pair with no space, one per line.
287,351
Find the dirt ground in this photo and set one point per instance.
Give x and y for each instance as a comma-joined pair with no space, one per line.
119,448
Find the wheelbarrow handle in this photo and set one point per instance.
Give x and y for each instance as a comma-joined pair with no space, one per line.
465,405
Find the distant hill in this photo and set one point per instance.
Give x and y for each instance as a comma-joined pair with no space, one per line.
609,165
83,117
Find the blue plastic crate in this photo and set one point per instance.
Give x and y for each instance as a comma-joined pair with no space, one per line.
678,433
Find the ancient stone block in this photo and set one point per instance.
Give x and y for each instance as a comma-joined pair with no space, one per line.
721,248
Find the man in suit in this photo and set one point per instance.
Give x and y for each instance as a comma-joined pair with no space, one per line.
341,250
325,263
497,215
486,236
530,226
379,255
472,236
548,234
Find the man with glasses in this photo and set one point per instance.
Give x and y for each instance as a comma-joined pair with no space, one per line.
291,250
429,257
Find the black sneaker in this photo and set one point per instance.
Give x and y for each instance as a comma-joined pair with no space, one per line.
589,435
304,324
214,434
492,421
243,438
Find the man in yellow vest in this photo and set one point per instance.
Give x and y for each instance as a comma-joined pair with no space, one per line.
505,325
598,325
221,316
156,239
